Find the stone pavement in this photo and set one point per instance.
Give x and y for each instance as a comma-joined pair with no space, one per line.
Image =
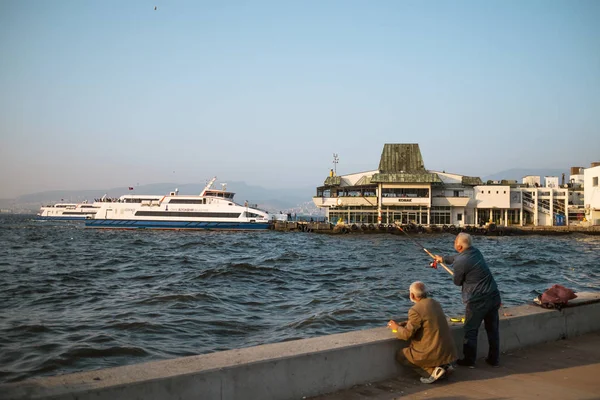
566,369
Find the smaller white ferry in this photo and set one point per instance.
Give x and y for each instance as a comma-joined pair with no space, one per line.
68,211
211,209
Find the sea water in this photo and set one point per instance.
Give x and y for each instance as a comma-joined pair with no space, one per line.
75,299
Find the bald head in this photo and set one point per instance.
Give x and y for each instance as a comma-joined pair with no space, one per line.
462,242
418,290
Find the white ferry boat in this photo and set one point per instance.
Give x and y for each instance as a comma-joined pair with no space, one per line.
68,211
211,209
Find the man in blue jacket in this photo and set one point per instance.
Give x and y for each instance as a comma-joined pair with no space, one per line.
481,297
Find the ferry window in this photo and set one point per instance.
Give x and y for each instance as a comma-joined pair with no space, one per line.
489,192
496,192
505,192
187,214
184,201
595,181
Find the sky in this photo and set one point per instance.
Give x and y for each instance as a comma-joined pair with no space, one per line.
102,94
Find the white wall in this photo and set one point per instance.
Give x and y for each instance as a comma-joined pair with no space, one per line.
532,180
490,196
591,193
515,198
551,181
448,178
351,179
577,179
544,219
454,216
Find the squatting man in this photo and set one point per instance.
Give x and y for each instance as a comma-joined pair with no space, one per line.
431,349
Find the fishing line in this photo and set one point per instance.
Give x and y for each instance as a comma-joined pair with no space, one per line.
434,264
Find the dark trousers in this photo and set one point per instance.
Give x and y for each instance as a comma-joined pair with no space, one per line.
421,371
486,311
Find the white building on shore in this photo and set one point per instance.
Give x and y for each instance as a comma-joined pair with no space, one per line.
592,193
402,191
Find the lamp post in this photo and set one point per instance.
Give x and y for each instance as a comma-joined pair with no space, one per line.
335,162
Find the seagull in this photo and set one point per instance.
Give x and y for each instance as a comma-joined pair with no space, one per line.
155,8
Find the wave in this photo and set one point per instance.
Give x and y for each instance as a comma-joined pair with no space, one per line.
33,328
110,298
76,353
136,326
177,298
231,269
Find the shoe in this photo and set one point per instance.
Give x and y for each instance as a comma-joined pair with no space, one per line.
437,373
465,363
493,364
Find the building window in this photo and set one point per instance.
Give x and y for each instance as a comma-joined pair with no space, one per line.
440,215
459,217
595,181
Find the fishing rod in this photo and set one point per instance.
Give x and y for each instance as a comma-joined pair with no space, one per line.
434,263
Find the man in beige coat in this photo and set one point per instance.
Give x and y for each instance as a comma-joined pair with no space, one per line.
431,349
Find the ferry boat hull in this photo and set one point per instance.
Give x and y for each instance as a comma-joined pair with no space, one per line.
212,209
67,212
192,225
60,218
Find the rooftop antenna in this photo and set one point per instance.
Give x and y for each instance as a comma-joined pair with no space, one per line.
336,160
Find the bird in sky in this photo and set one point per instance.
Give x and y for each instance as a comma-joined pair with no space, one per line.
155,8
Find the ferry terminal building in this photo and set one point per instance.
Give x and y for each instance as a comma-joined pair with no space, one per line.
402,191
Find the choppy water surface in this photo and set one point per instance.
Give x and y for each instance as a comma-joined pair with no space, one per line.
74,299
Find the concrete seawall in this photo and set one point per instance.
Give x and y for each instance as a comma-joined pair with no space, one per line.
362,229
296,369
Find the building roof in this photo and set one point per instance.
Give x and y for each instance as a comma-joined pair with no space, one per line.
471,180
397,157
333,181
416,177
403,163
400,163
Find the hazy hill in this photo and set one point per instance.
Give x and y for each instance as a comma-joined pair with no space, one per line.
294,200
517,174
274,200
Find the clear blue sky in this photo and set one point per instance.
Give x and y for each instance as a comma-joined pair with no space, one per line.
99,94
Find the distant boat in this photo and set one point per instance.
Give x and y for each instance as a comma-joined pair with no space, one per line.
211,209
68,211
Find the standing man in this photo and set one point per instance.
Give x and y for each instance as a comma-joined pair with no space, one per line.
481,296
431,348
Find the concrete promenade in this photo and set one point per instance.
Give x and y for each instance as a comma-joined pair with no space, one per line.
316,366
564,369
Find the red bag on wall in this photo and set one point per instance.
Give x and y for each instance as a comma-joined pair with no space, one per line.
556,297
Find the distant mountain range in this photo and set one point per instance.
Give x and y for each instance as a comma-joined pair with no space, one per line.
295,200
273,200
517,174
